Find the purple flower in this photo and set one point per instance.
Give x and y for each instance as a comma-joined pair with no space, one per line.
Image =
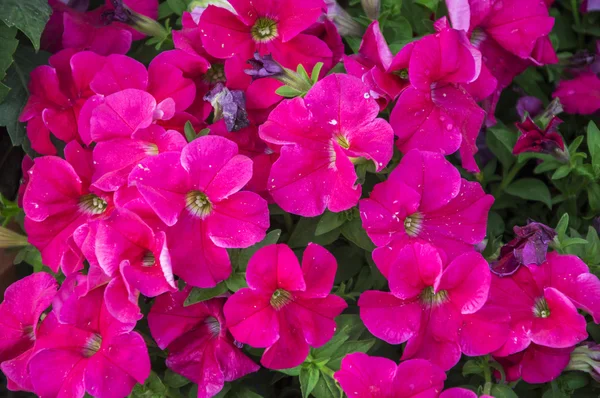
229,105
263,66
528,247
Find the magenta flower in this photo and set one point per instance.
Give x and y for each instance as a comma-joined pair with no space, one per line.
24,303
543,302
200,346
436,113
374,377
58,199
195,192
424,198
439,310
372,64
321,134
100,355
536,364
26,164
267,27
286,309
114,159
534,139
580,95
57,93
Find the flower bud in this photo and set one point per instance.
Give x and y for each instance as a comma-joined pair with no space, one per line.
372,8
139,22
586,358
345,24
264,66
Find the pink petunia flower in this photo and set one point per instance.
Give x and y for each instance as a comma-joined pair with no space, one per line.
196,193
286,309
57,200
200,346
536,364
87,351
436,113
267,27
438,310
26,164
372,65
534,139
543,302
365,376
424,198
580,95
24,303
321,134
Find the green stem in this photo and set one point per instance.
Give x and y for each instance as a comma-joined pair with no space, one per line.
487,373
577,21
510,176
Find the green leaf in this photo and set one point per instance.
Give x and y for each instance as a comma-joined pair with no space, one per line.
197,295
314,75
8,45
164,10
236,281
500,149
561,227
326,387
347,348
561,172
25,60
243,392
245,254
592,249
531,189
190,133
593,141
329,221
572,241
594,197
303,73
503,391
431,4
355,233
575,145
304,233
152,388
29,16
472,367
309,376
288,92
177,6
175,380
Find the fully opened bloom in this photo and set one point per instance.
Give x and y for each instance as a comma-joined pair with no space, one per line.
321,134
196,193
372,65
87,351
536,364
436,113
361,375
24,302
580,95
200,346
424,198
287,308
439,311
267,27
543,302
57,200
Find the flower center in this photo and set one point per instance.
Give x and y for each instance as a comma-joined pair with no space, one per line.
215,74
214,327
342,141
540,308
280,299
149,260
413,224
152,150
477,36
431,298
264,30
29,331
403,73
92,345
198,204
92,204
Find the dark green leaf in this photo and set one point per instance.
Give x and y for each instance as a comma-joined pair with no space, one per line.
198,295
500,149
152,388
354,232
594,197
327,388
561,172
29,16
347,348
309,376
175,380
329,221
593,142
503,391
561,227
244,255
304,232
236,281
431,4
178,6
530,189
8,45
472,367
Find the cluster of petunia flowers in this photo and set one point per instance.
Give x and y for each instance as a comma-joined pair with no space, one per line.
132,204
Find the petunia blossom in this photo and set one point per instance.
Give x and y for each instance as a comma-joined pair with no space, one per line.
322,134
580,95
24,302
534,139
267,27
57,200
424,198
365,376
436,113
438,310
543,302
87,351
200,346
536,364
197,194
287,308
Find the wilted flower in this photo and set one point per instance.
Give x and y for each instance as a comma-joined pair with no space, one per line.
534,139
345,24
371,8
529,105
529,247
229,105
263,66
586,358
